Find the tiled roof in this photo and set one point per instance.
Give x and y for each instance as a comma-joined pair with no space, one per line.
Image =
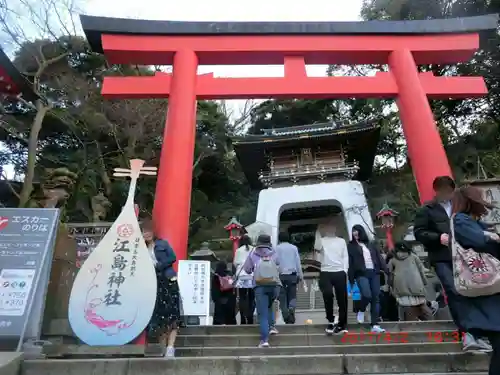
294,130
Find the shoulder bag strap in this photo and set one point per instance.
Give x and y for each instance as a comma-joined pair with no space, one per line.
241,268
453,243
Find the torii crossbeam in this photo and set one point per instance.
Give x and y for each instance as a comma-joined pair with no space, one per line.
402,45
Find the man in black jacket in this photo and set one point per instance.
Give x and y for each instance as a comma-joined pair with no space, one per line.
431,229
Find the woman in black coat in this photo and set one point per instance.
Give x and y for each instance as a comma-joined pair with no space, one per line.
365,265
224,300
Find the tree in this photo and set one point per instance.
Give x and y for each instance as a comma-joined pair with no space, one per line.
78,136
39,59
458,120
469,128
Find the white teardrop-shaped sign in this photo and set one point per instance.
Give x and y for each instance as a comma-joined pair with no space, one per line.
114,293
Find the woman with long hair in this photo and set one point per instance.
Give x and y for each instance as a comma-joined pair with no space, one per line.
166,316
244,281
479,316
365,265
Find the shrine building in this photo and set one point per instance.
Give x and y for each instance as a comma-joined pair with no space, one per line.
309,175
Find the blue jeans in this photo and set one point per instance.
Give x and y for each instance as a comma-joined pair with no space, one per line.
264,298
369,287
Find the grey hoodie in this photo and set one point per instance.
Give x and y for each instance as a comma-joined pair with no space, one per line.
408,275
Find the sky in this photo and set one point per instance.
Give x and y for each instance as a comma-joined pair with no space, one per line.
232,10
32,26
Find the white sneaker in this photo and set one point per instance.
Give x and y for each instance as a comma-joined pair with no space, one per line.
484,346
377,329
273,331
263,344
330,329
360,317
170,352
434,307
470,344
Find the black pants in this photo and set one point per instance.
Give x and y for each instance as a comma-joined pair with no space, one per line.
494,338
288,294
246,305
388,307
225,311
444,272
328,282
357,306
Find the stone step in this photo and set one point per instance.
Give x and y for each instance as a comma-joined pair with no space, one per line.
127,351
331,364
311,350
10,363
316,339
433,325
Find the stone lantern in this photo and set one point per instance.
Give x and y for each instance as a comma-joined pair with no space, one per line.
387,215
204,254
234,228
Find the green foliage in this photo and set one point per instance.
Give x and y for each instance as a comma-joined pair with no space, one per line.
469,128
90,136
285,113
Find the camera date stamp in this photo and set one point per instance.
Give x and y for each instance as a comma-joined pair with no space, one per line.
374,338
399,337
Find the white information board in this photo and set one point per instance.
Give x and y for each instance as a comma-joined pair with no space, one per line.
14,291
194,284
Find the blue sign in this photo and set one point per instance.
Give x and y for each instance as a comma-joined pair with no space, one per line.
27,237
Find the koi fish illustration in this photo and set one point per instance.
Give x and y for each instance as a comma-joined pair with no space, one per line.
4,221
110,327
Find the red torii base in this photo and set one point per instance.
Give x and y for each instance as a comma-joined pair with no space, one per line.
400,45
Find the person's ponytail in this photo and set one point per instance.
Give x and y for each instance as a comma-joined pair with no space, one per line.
245,241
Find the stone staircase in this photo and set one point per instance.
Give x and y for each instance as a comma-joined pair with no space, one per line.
407,348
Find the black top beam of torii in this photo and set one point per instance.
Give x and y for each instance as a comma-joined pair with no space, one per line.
95,27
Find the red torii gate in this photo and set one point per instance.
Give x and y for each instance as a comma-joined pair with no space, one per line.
12,82
403,45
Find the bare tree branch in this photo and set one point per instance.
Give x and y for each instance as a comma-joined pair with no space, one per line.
241,120
12,132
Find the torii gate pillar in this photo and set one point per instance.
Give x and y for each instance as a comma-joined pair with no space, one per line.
425,149
173,188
